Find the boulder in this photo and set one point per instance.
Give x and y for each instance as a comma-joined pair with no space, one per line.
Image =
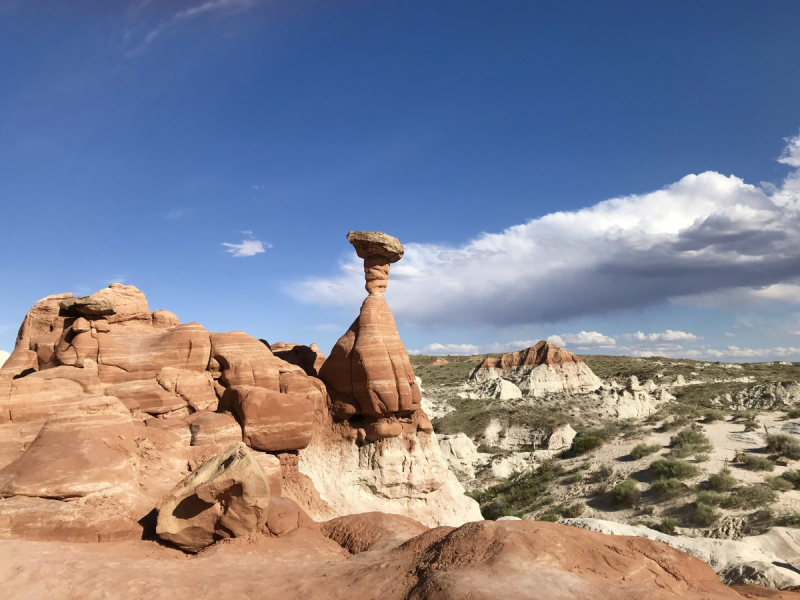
147,396
499,389
228,496
372,531
272,467
83,450
94,306
461,455
240,359
308,358
561,437
194,387
271,421
214,428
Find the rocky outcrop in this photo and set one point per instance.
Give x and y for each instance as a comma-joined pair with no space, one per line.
461,455
368,372
308,358
399,474
228,496
540,369
746,561
514,560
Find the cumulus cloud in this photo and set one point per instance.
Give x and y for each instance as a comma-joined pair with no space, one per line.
448,349
247,248
3,357
667,337
584,339
705,234
766,353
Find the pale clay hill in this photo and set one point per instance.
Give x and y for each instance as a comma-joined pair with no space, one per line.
141,457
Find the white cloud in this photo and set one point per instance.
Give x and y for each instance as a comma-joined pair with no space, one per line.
667,337
246,248
448,349
211,6
766,353
3,357
584,339
729,334
705,234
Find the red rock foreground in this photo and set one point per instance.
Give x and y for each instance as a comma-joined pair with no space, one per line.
481,560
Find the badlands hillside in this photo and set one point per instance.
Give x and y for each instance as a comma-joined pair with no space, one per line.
142,457
654,447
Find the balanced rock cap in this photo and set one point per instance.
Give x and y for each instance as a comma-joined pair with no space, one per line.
376,243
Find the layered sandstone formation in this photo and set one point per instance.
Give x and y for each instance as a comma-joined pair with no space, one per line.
540,369
379,452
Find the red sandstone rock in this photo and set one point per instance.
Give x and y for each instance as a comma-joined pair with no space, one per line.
77,452
369,371
372,531
241,359
40,519
272,467
308,358
284,516
271,421
543,353
214,428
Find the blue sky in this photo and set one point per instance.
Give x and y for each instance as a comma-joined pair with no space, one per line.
619,176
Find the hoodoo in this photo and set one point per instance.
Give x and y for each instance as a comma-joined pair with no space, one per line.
368,372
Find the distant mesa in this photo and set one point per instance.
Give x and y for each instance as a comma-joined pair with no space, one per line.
538,370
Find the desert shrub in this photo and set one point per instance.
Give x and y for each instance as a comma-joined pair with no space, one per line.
712,498
783,445
573,510
788,520
705,515
551,516
689,442
667,525
793,413
670,488
648,510
626,494
751,496
753,462
722,481
792,477
779,484
602,474
675,423
520,494
642,450
712,414
583,444
672,468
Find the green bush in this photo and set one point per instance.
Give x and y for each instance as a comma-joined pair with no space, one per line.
626,494
752,496
792,477
753,462
551,516
573,510
793,413
583,444
675,423
642,450
705,515
671,468
723,480
779,484
667,525
712,415
783,445
602,474
670,488
689,442
788,520
712,498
